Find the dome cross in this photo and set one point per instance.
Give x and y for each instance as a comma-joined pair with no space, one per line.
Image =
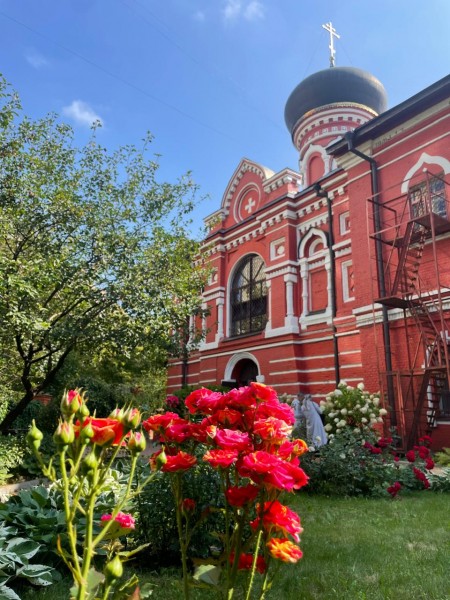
332,31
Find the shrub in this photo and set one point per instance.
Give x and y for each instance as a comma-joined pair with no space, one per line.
443,457
359,463
156,515
351,464
352,407
12,451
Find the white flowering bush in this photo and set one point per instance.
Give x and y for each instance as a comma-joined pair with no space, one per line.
351,407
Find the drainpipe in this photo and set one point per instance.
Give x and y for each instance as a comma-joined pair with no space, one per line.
321,193
380,271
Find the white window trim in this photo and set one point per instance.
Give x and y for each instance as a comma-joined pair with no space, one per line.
306,263
345,266
343,219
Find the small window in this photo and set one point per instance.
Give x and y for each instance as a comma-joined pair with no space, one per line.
348,288
344,222
248,297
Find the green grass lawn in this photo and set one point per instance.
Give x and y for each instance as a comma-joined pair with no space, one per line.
354,549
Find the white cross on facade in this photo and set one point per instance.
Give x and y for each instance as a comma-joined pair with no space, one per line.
332,31
249,206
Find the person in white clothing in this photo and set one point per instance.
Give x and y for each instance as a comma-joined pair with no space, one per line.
315,432
296,405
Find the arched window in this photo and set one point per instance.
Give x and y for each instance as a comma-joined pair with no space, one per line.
315,271
248,297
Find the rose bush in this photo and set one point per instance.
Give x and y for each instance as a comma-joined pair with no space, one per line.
244,436
86,450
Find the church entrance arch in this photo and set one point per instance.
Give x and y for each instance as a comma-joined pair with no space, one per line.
241,369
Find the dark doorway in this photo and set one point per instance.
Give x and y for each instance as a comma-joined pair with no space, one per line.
244,372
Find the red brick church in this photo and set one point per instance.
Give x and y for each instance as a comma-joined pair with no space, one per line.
341,270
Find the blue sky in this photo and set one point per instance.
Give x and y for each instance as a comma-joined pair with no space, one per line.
209,78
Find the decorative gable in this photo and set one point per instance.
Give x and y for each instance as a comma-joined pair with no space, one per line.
244,193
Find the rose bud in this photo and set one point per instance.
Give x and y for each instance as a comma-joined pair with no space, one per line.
136,442
34,436
159,460
71,403
131,418
87,432
113,569
90,463
64,434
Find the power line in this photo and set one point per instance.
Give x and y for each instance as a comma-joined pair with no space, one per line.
216,72
118,78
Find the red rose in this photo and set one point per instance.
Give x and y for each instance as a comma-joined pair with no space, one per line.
263,392
384,442
272,429
160,422
411,456
277,410
238,496
220,458
106,431
425,439
256,464
394,489
188,505
246,561
204,400
285,550
182,461
419,474
269,470
429,464
240,398
289,450
290,477
123,524
423,452
227,417
229,439
198,431
279,518
176,432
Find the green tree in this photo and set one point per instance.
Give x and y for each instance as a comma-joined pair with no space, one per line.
94,250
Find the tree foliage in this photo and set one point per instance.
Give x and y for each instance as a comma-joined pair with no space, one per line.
94,250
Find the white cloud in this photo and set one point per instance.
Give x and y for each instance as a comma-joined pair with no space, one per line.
35,59
254,10
250,10
232,9
81,113
200,16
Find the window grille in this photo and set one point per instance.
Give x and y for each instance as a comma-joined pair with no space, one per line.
249,297
418,194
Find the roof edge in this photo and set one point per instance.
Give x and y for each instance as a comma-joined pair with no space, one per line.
431,95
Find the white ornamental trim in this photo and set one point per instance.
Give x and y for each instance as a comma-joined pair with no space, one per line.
245,168
319,220
343,252
278,272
